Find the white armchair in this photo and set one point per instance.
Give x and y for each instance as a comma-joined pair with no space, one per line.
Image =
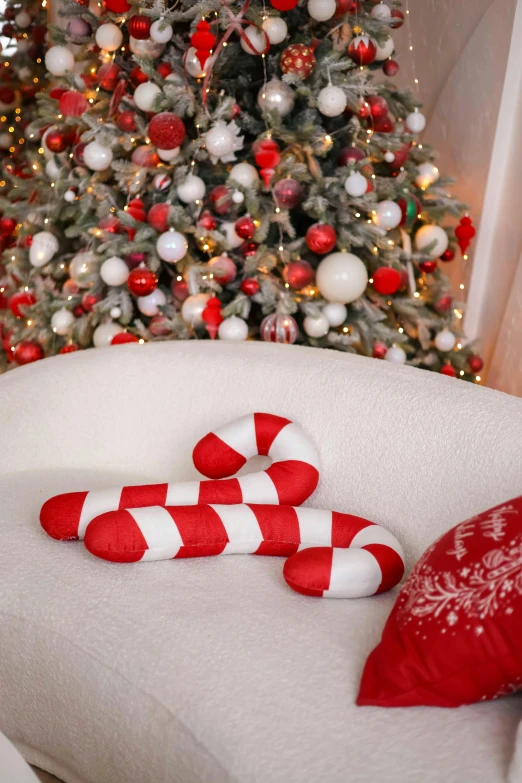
212,670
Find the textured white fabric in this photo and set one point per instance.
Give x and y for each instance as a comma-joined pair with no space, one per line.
212,670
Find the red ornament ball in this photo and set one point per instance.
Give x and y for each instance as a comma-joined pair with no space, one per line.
287,193
158,217
321,238
166,130
89,300
248,249
401,156
475,363
362,50
8,30
279,328
136,209
378,106
38,33
108,76
397,18
7,226
163,69
449,370
71,348
126,121
428,267
21,299
391,68
180,290
384,125
7,95
444,303
158,326
207,221
78,150
245,227
299,60
298,274
448,255
221,199
124,337
350,155
72,104
347,7
137,76
386,280
250,286
10,13
55,140
142,281
284,5
117,6
139,27
379,350
27,352
78,311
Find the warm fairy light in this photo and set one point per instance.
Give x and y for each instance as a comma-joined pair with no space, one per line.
370,280
400,330
465,258
29,323
461,286
277,210
478,378
141,342
345,330
11,129
416,294
41,151
462,372
287,285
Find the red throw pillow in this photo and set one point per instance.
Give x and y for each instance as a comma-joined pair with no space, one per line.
455,633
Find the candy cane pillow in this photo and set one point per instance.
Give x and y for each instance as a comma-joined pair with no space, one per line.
331,554
455,634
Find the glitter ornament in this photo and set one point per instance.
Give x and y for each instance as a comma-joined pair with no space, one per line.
142,281
331,101
276,29
298,59
166,130
126,121
279,328
321,10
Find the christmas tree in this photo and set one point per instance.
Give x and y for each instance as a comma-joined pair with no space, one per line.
234,169
22,75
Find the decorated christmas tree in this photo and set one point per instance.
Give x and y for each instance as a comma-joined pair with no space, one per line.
235,169
22,76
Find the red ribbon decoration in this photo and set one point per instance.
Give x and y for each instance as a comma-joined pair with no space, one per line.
236,23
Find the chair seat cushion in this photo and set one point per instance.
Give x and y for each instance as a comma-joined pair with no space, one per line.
204,670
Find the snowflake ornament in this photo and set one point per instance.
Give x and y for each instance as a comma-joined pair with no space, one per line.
223,140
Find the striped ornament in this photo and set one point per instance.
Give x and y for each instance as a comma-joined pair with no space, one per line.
330,554
290,479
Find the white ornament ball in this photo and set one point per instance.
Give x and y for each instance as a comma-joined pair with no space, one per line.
69,196
322,10
6,140
169,155
276,95
150,305
415,122
232,239
386,50
146,48
387,214
109,37
316,326
260,43
445,340
43,248
244,174
276,29
114,271
335,313
171,246
238,197
356,184
193,66
193,189
192,309
103,334
219,141
97,157
433,236
395,355
161,182
331,101
23,19
234,329
59,60
389,156
145,94
427,175
382,12
62,321
115,312
83,268
341,277
161,31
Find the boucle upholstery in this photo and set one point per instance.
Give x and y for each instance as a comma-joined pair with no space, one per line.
213,670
